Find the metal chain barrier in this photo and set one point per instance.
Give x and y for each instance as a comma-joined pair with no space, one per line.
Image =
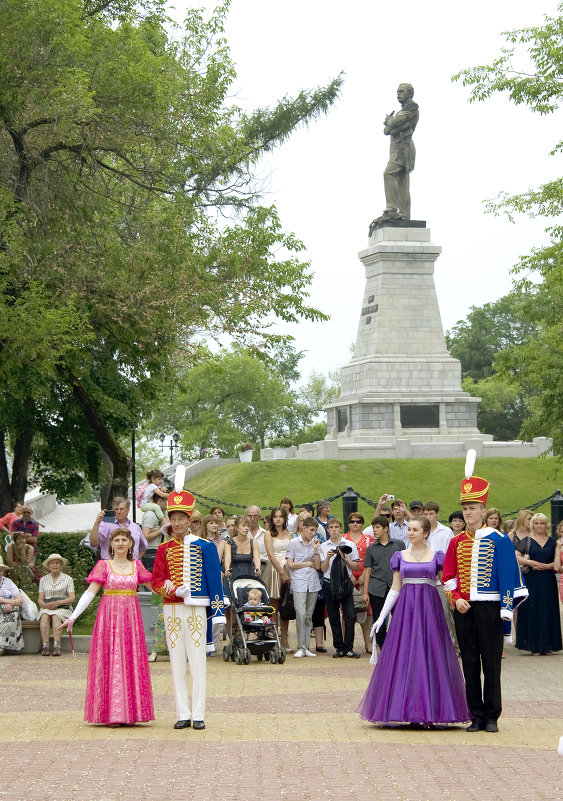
531,506
218,502
367,500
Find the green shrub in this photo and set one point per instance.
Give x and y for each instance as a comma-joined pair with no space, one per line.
65,544
280,442
81,560
23,580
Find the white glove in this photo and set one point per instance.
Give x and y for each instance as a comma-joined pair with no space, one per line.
168,587
373,631
83,603
182,591
390,602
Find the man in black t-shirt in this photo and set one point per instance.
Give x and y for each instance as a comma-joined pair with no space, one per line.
378,575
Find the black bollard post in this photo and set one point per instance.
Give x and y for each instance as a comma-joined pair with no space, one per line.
556,511
349,505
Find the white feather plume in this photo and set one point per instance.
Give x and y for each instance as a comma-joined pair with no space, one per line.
470,458
179,478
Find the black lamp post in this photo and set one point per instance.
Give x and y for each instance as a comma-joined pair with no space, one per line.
173,445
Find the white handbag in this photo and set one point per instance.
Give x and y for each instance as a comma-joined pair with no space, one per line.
29,608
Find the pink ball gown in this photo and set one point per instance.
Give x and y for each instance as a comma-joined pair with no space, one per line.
118,687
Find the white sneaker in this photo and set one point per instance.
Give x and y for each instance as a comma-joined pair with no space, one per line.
309,653
299,653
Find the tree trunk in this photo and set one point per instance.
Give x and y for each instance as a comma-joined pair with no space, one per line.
120,461
22,449
121,473
6,501
105,489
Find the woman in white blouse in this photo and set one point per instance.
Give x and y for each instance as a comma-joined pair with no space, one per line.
55,599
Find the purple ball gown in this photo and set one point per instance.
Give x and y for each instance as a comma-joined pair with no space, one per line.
417,678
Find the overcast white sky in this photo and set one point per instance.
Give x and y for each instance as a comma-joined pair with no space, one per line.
327,180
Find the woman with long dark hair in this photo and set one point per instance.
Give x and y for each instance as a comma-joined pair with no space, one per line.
287,505
242,555
276,574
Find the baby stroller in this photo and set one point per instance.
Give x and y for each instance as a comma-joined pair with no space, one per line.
251,636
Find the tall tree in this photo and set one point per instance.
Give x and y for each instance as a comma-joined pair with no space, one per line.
319,390
487,331
478,341
117,145
504,407
537,362
229,397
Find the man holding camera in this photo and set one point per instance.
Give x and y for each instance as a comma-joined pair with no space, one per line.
108,520
336,547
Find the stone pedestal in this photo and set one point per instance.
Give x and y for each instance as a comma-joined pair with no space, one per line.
401,385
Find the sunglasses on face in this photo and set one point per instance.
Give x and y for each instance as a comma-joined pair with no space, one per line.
355,521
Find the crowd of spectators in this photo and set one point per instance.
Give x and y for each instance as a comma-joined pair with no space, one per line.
293,550
263,546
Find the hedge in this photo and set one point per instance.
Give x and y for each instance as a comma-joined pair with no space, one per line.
81,560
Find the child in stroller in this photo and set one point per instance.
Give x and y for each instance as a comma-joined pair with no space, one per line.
255,599
251,615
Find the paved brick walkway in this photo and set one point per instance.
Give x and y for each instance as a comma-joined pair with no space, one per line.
273,732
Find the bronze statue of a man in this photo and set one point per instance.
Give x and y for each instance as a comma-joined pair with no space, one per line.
400,128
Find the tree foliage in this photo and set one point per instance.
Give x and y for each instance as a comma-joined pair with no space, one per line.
530,71
487,331
118,145
313,433
229,397
503,408
320,390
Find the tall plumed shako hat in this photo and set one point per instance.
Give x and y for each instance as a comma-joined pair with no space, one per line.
180,500
473,488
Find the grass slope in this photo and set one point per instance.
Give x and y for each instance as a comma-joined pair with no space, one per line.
515,483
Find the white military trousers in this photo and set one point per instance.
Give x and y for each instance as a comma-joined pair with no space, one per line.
186,628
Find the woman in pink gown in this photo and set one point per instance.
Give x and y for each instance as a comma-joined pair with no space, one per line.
118,686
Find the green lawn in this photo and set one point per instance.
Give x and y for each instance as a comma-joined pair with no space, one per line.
515,483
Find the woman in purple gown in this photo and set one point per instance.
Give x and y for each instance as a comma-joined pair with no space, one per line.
417,678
